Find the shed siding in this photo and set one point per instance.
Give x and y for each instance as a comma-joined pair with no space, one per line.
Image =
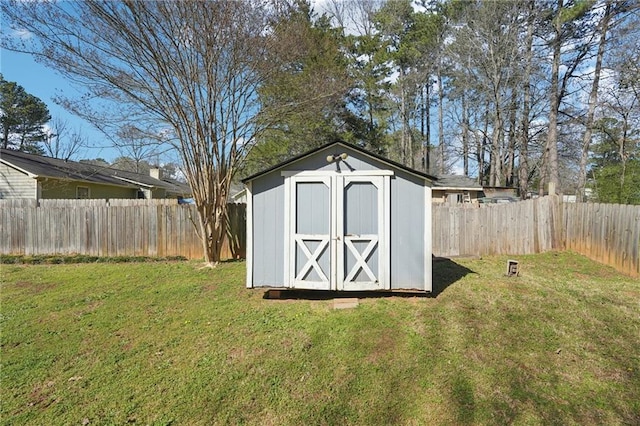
268,231
407,232
15,184
355,161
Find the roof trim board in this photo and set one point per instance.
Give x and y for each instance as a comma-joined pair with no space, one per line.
26,172
459,188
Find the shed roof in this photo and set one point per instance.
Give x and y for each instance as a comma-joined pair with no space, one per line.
348,146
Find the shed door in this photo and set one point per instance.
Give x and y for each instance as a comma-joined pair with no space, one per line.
362,257
339,227
310,239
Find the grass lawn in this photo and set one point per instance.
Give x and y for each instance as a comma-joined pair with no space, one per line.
169,343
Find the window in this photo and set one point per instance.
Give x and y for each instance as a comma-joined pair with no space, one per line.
82,192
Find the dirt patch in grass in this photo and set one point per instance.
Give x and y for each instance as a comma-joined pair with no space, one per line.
35,288
384,344
42,395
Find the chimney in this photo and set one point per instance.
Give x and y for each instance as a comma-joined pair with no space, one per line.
156,172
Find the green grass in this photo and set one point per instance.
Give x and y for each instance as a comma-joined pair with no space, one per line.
170,343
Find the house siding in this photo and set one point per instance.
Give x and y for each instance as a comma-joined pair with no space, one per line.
440,196
53,188
158,193
16,184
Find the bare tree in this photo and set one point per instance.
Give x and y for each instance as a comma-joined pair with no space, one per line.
523,171
60,142
603,26
354,16
137,145
489,75
192,67
569,25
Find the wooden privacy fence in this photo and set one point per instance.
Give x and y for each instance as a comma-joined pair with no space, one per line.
607,233
114,228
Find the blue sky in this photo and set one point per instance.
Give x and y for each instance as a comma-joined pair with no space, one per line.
44,83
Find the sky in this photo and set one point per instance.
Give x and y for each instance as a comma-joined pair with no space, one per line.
44,83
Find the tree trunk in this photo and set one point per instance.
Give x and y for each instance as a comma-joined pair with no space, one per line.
424,125
428,127
495,171
544,176
554,104
623,158
440,124
482,142
593,99
465,136
523,163
403,111
511,150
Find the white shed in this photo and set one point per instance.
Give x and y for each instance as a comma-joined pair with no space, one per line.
339,218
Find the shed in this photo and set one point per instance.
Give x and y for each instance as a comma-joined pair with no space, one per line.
339,218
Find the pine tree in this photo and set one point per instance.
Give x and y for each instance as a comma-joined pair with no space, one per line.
22,118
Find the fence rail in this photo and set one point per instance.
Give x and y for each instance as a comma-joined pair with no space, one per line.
607,233
114,228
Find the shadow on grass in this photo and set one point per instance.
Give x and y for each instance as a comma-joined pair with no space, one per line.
445,273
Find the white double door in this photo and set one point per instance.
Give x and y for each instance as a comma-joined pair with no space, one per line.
338,231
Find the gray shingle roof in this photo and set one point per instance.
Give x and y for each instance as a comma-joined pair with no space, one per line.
71,170
456,181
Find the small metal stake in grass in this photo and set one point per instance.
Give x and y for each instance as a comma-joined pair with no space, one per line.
512,268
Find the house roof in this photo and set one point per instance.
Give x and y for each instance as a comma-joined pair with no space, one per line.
346,145
37,166
457,182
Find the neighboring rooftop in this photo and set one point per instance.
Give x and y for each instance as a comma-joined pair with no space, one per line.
456,182
41,166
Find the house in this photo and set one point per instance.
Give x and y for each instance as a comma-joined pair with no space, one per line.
454,189
500,192
37,177
339,218
237,193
